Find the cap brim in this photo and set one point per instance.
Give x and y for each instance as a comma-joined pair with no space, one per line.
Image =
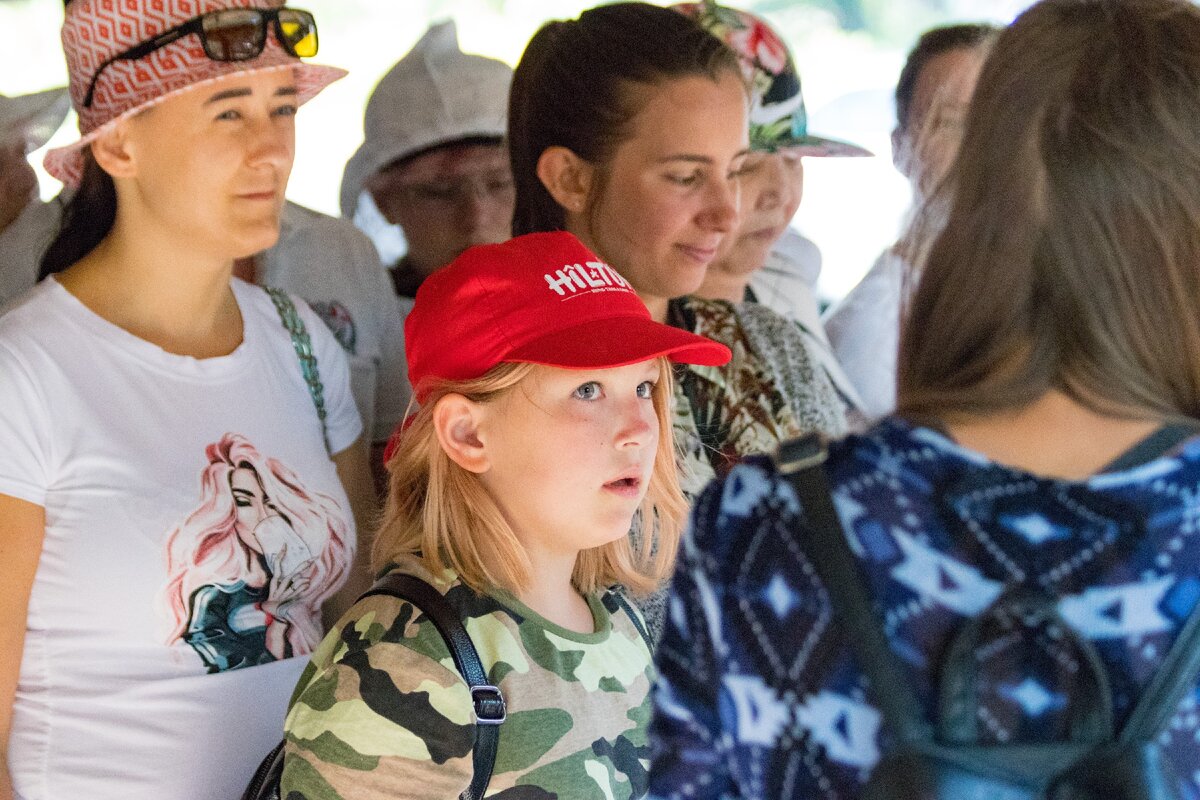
617,342
66,163
823,147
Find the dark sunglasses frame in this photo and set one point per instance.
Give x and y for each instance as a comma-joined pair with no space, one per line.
196,25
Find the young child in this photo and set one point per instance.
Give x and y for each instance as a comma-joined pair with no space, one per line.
544,428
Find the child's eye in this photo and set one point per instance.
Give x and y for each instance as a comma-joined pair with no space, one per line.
589,391
645,390
285,111
232,115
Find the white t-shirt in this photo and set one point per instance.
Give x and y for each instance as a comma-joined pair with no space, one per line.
22,245
865,331
194,523
787,284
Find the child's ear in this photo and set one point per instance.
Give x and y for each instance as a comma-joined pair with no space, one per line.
456,421
567,177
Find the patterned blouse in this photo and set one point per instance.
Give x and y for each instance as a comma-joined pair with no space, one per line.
769,391
758,695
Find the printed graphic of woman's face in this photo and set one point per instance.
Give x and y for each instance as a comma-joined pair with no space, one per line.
252,504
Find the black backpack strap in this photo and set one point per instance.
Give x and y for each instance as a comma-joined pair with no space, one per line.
799,461
623,602
490,711
265,783
1174,678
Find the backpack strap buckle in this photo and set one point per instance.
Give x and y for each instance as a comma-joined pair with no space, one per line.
489,705
799,454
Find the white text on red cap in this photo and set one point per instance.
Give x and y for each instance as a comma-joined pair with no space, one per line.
594,275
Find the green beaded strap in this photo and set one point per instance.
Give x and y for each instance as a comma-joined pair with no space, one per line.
308,360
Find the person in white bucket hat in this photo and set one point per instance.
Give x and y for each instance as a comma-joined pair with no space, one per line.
33,118
433,162
179,450
26,123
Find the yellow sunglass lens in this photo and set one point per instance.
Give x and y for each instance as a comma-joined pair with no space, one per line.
305,44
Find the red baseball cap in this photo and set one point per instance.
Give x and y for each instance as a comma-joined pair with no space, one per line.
542,298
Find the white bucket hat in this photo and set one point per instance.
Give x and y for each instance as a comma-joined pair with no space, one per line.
33,117
435,95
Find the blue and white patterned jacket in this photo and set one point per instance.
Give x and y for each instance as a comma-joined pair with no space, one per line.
759,696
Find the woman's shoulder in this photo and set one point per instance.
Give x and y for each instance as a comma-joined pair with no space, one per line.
34,314
754,494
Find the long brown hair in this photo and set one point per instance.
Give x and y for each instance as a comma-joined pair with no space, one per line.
441,513
1068,257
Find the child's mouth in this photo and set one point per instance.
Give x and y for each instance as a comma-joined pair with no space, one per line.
624,486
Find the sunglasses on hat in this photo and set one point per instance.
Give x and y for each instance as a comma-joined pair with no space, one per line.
234,34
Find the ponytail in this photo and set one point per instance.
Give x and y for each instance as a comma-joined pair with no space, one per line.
88,217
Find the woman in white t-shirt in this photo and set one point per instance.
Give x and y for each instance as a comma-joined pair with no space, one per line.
178,448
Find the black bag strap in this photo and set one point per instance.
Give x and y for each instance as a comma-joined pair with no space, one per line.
1174,678
621,600
800,462
490,711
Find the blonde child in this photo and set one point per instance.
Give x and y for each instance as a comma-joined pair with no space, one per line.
544,429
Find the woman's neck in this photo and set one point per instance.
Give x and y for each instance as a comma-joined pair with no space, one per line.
721,285
576,225
658,307
180,301
1054,436
551,593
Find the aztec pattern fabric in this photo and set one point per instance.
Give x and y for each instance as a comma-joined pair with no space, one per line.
759,695
381,712
96,30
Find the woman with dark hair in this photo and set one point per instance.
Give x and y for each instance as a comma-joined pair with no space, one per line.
627,127
1006,569
177,447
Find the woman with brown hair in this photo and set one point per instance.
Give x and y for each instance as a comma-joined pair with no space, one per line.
1010,562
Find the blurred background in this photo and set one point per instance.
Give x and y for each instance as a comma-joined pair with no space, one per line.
849,53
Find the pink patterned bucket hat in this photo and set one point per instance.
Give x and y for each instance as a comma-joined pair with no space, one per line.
96,31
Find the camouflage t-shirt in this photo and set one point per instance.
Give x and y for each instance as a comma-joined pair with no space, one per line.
381,712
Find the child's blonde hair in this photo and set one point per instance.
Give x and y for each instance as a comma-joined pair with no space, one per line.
441,513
